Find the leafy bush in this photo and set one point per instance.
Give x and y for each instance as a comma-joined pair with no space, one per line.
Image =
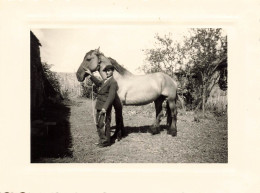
87,89
65,93
51,76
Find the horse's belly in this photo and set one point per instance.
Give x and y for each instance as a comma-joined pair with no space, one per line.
139,94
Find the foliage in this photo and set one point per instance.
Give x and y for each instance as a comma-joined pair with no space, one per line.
195,63
162,58
222,82
65,93
51,76
206,49
87,89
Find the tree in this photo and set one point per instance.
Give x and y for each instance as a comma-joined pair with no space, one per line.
162,58
206,49
195,62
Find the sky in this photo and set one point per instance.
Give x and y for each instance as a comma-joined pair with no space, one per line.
65,48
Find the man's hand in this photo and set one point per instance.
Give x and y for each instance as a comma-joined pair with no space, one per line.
103,111
88,72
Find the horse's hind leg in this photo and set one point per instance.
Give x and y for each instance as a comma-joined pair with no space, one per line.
172,116
119,131
169,114
159,114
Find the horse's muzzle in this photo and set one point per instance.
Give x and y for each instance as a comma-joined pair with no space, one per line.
80,76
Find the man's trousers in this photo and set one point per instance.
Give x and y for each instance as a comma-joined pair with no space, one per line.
103,125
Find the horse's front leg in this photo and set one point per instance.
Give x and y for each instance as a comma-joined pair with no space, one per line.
120,129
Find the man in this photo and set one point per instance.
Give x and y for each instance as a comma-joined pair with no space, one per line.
106,97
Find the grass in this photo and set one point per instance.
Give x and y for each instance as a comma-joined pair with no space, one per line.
205,141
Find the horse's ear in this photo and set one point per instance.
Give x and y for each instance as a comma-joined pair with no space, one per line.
98,49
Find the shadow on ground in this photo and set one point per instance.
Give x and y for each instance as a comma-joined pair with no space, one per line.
50,133
142,129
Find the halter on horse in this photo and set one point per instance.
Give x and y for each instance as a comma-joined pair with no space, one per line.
137,89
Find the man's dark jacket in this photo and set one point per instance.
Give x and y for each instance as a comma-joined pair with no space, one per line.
107,93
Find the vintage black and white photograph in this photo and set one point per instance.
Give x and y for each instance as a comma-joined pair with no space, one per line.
129,94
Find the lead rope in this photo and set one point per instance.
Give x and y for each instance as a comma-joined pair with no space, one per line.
104,122
92,101
93,108
93,111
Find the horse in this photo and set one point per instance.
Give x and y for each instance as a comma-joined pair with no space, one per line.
137,90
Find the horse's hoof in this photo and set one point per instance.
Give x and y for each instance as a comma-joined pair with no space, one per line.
113,139
172,133
119,138
124,134
155,130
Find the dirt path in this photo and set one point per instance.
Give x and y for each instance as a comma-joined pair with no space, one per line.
197,142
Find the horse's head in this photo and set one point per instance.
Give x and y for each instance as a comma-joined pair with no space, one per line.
91,62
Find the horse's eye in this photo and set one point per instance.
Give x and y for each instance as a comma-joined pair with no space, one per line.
88,59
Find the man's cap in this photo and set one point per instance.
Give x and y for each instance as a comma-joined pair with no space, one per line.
109,67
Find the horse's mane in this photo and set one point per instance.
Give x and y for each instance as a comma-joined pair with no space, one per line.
120,69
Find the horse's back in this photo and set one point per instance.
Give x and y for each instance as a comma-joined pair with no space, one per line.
168,86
